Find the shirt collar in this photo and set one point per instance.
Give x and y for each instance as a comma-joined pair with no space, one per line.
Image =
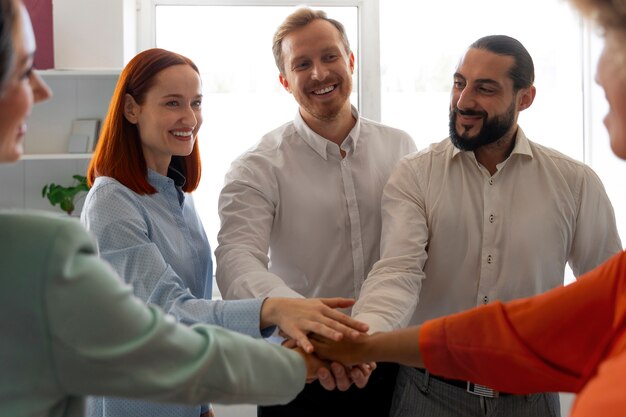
522,146
320,144
164,184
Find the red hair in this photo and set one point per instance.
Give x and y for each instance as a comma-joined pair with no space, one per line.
119,153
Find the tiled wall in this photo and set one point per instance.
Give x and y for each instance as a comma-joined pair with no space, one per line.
21,183
76,95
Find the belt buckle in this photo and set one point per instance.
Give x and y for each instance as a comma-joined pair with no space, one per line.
482,390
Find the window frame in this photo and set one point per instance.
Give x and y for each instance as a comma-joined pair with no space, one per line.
368,59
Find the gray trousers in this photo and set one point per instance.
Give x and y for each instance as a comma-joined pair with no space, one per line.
418,394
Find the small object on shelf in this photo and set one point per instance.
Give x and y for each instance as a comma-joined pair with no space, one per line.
65,197
79,143
84,131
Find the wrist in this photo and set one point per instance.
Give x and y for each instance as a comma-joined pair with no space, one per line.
268,312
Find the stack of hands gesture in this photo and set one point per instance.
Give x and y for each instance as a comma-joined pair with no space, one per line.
325,337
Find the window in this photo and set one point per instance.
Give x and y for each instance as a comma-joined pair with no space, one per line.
243,99
406,55
420,50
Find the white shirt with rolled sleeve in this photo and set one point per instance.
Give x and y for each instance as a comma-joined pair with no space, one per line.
294,199
455,237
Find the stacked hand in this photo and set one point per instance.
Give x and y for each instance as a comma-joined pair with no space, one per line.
302,319
298,317
332,374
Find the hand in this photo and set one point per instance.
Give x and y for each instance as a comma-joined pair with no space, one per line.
399,346
334,375
342,377
314,365
297,317
347,351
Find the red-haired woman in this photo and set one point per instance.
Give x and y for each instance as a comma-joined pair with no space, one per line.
70,328
146,225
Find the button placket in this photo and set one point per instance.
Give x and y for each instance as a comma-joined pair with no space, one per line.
487,280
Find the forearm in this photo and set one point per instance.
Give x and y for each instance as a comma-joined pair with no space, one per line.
550,342
241,274
108,347
391,291
399,346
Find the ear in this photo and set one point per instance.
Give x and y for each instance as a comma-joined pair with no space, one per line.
284,82
526,97
131,109
351,62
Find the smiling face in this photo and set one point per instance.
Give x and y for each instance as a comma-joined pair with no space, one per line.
318,71
484,106
611,75
23,88
170,116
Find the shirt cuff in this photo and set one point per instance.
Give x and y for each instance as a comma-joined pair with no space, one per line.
244,316
377,324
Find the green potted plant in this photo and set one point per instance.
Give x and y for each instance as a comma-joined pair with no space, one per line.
65,197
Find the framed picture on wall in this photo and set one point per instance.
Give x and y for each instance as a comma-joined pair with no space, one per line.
41,16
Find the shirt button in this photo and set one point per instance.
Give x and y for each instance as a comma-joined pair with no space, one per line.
491,218
490,181
489,259
485,299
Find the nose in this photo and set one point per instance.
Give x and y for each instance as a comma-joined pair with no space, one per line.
464,99
41,91
319,71
190,118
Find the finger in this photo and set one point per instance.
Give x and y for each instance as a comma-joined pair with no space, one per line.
319,346
321,329
366,369
341,377
338,302
289,343
326,379
359,377
304,342
345,323
330,324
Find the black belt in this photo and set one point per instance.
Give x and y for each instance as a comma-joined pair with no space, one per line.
466,385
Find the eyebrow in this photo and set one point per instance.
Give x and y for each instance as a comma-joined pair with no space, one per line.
175,95
324,51
489,81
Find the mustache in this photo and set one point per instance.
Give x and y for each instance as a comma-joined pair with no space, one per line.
470,112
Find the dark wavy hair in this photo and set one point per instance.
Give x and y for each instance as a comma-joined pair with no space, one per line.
523,70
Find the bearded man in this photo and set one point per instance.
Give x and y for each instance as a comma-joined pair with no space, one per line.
484,215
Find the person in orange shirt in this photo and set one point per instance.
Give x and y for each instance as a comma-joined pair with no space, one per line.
570,339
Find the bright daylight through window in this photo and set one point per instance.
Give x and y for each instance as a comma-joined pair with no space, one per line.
419,49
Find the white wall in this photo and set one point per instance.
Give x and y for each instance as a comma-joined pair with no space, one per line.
93,33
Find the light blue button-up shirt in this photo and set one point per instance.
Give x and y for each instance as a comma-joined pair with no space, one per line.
157,244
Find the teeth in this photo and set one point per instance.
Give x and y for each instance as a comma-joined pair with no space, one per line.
325,90
182,134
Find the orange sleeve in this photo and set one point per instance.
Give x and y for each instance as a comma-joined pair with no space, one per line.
550,342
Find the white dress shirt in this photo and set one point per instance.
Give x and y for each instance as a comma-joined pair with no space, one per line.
455,237
294,199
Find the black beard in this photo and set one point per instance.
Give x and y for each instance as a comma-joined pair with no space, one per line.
493,129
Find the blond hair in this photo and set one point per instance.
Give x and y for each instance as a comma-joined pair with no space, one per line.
609,14
298,19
